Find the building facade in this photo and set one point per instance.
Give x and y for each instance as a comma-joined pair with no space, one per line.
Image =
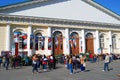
57,34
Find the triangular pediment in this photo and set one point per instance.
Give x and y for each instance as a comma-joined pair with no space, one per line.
63,9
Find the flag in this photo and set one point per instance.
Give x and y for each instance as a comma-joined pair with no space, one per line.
36,42
49,43
24,41
16,36
31,41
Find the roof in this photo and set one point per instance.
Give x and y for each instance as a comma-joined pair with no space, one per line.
60,9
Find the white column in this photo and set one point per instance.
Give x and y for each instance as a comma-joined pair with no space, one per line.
110,42
66,42
8,37
97,45
49,35
83,40
28,40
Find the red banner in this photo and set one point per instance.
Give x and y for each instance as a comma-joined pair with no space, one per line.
49,43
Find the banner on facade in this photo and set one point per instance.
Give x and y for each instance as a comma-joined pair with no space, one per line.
36,42
42,42
49,43
71,42
24,41
16,36
31,41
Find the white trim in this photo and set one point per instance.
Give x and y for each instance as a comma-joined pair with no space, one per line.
28,40
83,40
49,52
8,37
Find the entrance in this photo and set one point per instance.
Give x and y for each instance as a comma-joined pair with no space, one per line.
57,43
89,43
74,43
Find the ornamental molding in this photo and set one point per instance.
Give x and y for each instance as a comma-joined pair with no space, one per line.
18,29
55,22
62,30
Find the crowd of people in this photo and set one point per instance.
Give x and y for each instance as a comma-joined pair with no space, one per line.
10,61
38,62
44,62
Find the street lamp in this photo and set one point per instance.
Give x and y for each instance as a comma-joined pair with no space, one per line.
110,48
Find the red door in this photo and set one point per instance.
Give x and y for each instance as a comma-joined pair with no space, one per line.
90,45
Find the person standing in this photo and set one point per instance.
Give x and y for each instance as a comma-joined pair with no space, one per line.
71,64
34,63
6,61
106,62
82,63
45,60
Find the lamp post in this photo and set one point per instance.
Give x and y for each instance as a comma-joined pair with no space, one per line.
110,48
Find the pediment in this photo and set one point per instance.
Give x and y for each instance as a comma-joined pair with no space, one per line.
63,9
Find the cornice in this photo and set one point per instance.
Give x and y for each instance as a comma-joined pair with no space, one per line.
92,3
55,21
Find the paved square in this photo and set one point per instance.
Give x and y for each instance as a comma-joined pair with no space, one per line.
93,72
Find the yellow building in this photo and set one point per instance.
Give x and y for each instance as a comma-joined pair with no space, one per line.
59,27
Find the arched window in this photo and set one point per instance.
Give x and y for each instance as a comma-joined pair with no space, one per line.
101,39
114,41
74,34
39,41
89,35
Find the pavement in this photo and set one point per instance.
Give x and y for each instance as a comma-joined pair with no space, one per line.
93,72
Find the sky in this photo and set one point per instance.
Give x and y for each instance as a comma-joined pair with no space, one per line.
10,2
112,5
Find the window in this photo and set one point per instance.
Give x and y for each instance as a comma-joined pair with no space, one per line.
39,44
113,41
101,39
89,35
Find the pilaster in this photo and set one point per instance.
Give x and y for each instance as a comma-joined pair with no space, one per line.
83,40
28,40
66,45
8,37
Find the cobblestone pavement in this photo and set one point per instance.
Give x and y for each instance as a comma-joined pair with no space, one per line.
93,72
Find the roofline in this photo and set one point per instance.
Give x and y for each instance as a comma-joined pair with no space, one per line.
22,4
105,10
91,2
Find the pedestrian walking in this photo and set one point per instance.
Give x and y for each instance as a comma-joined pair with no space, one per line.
106,62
